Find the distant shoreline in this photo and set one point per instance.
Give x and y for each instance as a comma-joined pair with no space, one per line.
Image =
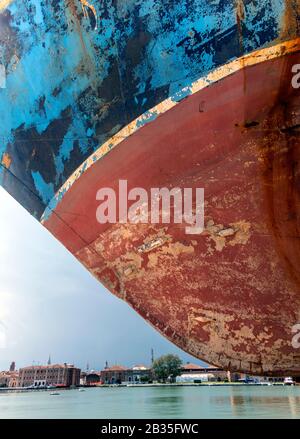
206,384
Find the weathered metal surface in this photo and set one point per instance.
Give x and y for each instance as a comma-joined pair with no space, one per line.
166,93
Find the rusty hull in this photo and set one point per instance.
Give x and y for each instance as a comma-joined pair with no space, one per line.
230,295
195,94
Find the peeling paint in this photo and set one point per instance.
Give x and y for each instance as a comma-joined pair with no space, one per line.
218,233
4,4
151,245
174,249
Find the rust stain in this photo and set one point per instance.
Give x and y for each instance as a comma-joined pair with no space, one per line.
281,170
240,16
87,61
6,160
85,6
290,21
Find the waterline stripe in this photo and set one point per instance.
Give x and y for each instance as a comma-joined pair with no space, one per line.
219,73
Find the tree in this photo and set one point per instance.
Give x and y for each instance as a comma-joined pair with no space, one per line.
144,379
167,366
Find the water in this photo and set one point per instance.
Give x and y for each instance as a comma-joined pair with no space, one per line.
155,402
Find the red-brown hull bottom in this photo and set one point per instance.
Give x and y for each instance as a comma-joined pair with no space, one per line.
230,300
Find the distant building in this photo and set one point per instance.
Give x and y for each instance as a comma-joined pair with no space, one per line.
50,375
119,374
139,374
4,379
191,373
83,375
195,373
92,378
14,379
115,374
9,379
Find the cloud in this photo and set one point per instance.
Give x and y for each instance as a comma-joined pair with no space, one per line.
2,336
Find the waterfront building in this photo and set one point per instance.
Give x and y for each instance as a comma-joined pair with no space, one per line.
92,378
193,373
9,379
4,379
14,379
115,374
196,373
83,375
139,374
123,375
50,375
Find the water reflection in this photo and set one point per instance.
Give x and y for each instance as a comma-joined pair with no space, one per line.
224,402
294,403
243,403
168,402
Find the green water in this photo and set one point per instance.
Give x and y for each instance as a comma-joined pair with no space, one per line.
156,402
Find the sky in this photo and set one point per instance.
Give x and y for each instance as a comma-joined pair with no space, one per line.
51,305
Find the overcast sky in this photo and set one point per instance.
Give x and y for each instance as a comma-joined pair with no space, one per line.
50,304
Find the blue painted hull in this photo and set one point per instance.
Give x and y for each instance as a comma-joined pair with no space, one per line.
71,86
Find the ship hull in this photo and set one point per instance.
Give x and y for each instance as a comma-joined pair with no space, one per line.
195,94
224,295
